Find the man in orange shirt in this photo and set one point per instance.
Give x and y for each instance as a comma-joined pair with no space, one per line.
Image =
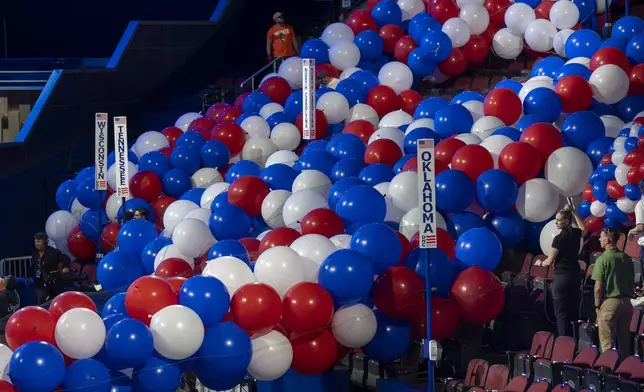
280,40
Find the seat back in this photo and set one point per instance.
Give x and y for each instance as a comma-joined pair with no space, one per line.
537,271
586,357
607,360
582,266
594,256
628,366
539,386
542,343
497,378
638,372
563,349
476,374
517,384
635,320
561,388
588,280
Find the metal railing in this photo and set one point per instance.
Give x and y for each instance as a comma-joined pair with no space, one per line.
15,266
252,77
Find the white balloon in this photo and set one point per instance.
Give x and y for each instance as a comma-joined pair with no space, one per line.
609,83
258,150
285,157
169,252
205,177
192,237
314,180
132,169
463,3
420,123
263,234
361,111
301,203
80,333
211,192
458,31
291,70
268,110
60,224
393,134
337,32
177,332
533,83
618,144
5,357
626,205
597,208
507,44
475,108
476,17
268,76
150,141
256,127
344,54
411,8
621,172
559,42
564,14
395,119
537,200
78,209
568,169
272,356
403,190
334,105
184,121
313,250
114,203
176,212
202,214
341,241
518,16
286,136
232,272
613,125
585,61
279,267
394,214
468,138
396,75
348,72
486,125
618,157
540,35
495,144
354,326
549,232
272,208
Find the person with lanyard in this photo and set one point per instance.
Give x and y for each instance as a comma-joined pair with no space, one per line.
614,276
44,262
566,277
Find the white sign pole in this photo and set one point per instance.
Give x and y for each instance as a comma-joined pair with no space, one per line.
308,99
100,151
121,149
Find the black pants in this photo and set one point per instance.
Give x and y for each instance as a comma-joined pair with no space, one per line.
40,295
565,298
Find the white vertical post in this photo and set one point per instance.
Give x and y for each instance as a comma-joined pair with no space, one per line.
308,99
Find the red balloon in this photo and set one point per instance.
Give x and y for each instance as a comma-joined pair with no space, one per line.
412,165
256,308
282,236
361,128
202,122
159,206
361,20
445,149
446,243
277,89
496,9
146,185
172,134
252,247
383,99
636,77
248,192
146,296
6,387
167,151
30,324
174,266
488,34
322,221
307,309
371,4
442,10
390,35
321,124
68,301
205,132
231,114
329,69
444,319
504,104
606,159
542,11
410,99
479,295
614,190
231,134
403,47
575,93
314,355
384,151
588,194
633,176
634,158
455,64
108,236
406,246
521,160
610,55
472,160
594,224
544,137
176,282
476,49
239,102
397,292
80,246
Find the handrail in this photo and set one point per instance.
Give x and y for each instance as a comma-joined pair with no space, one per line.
252,77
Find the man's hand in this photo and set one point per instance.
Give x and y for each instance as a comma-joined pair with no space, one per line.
633,233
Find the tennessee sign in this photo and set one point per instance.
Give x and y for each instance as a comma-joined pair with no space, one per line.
426,192
120,146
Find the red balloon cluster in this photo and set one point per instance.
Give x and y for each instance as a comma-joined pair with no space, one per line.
147,295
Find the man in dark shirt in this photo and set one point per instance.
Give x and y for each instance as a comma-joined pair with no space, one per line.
44,262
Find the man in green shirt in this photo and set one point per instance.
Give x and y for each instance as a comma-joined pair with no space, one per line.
614,284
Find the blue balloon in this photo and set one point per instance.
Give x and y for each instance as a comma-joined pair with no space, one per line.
458,224
334,130
599,191
293,104
191,138
635,49
400,165
387,12
428,107
544,102
128,344
630,106
531,238
370,44
630,144
412,137
132,205
229,222
149,253
380,243
215,154
315,49
243,117
583,43
479,247
581,128
120,382
87,173
87,375
598,148
353,91
532,3
510,132
90,225
531,119
392,339
612,224
135,234
279,176
186,158
422,24
496,190
510,85
607,172
375,174
323,89
242,168
548,66
193,195
632,192
37,366
361,204
627,27
117,270
616,215
316,160
114,305
176,182
282,117
442,272
254,102
583,209
157,375
65,194
131,157
436,47
367,79
587,10
207,296
87,195
419,62
618,43
346,168
452,119
229,248
573,69
466,96
347,147
347,275
339,189
454,191
220,200
507,226
155,162
112,319
602,109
